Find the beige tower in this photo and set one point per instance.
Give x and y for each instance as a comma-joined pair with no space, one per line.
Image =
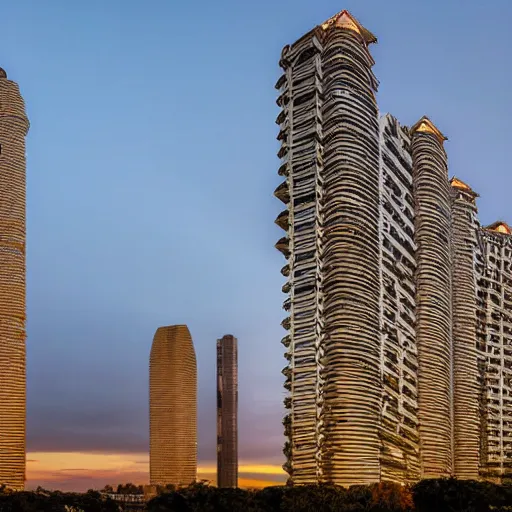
329,133
172,407
467,387
432,196
13,129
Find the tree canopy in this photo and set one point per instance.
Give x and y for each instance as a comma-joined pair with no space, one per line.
443,495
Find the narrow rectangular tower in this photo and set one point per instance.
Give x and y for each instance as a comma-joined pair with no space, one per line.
227,412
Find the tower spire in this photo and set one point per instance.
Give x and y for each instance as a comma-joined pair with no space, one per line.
345,20
461,185
425,125
499,227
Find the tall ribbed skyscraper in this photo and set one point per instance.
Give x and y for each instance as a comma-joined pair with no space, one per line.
172,407
399,303
432,218
227,411
329,133
14,127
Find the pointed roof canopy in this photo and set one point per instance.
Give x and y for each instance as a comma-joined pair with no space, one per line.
499,227
425,125
459,184
345,20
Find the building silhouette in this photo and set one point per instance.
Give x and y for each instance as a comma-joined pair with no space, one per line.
227,412
172,407
399,304
14,127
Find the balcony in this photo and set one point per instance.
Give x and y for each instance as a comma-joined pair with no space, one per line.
283,246
282,220
282,193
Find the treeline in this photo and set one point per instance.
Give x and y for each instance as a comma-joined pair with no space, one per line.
124,489
55,501
445,495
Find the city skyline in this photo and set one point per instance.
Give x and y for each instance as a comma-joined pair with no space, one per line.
79,294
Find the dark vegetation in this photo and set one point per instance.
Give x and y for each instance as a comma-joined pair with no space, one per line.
445,495
124,489
54,501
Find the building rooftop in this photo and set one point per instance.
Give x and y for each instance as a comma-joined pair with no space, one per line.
499,227
345,20
425,125
459,184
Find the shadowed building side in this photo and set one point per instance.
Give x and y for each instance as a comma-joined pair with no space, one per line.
173,407
13,129
227,412
300,99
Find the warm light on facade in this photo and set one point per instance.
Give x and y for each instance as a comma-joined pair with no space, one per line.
13,130
173,407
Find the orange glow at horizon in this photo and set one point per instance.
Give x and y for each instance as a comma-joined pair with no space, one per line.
81,471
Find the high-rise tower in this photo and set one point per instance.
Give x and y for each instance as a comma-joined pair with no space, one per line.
466,373
433,298
494,335
172,407
329,135
227,412
400,304
14,127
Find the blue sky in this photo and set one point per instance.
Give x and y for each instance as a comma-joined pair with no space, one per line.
151,167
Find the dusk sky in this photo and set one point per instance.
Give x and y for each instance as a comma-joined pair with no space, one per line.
151,167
